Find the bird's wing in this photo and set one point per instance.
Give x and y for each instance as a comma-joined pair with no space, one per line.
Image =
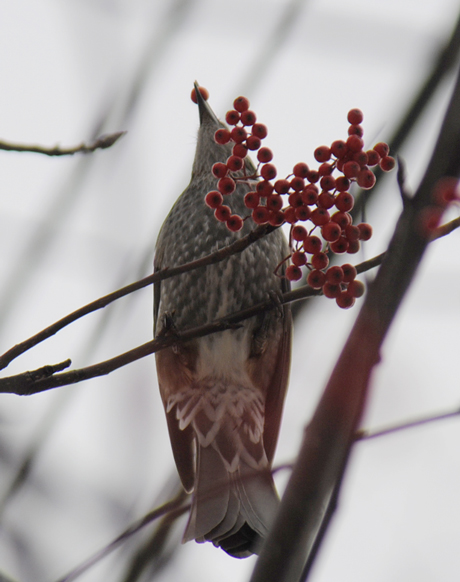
169,369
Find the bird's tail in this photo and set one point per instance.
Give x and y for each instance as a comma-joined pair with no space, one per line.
231,507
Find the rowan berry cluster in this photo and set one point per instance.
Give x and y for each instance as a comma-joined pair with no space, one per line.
315,197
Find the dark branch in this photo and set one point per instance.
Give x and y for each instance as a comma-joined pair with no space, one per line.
216,257
38,381
101,143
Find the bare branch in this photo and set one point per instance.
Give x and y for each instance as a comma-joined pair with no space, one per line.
371,434
216,257
311,494
45,378
101,143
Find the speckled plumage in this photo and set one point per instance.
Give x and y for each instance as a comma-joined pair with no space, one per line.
223,394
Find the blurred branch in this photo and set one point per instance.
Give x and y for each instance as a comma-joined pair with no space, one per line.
45,378
311,494
101,143
175,508
371,434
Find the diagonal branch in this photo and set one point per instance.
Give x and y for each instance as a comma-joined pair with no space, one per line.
311,494
215,257
45,378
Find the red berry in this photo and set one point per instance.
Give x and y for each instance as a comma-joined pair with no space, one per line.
276,217
349,273
282,186
344,201
203,92
331,231
248,117
373,157
320,216
310,194
355,116
298,258
265,155
234,163
253,142
234,223
327,183
356,130
268,172
353,246
260,130
289,215
334,274
382,149
232,117
302,212
355,143
356,288
298,232
351,232
341,218
312,245
297,183
213,199
339,246
351,169
293,273
300,170
325,169
222,136
222,213
360,158
264,188
251,200
365,231
226,185
322,154
331,290
274,202
240,150
295,199
241,104
238,134
344,300
342,184
326,200
320,261
316,279
387,163
313,176
339,148
366,179
219,170
260,215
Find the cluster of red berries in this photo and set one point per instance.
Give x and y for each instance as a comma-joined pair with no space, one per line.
314,196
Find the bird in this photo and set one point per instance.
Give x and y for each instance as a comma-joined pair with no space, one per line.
224,393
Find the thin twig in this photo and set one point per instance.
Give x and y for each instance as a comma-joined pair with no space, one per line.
101,143
237,247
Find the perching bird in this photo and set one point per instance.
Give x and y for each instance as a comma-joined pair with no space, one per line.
223,394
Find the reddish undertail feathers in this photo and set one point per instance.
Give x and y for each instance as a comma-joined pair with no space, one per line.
223,394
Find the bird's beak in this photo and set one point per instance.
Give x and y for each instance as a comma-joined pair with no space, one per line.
204,108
